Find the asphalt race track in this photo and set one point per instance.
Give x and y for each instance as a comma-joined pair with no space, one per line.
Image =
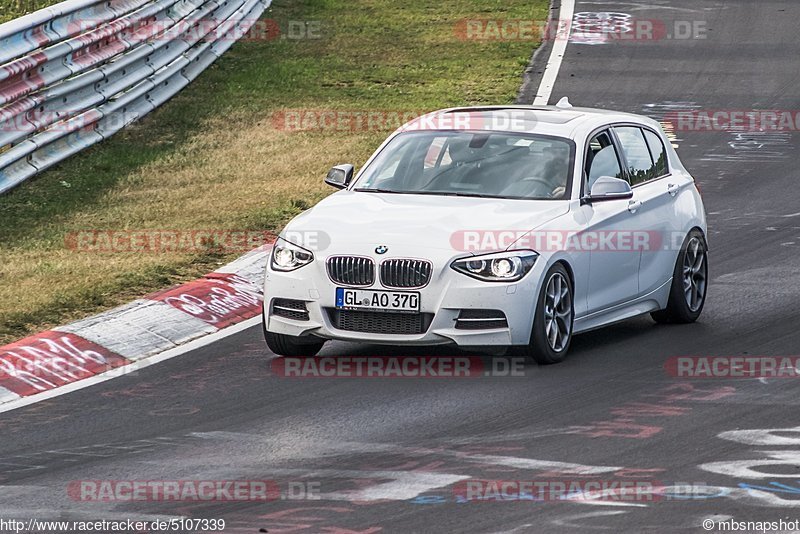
388,454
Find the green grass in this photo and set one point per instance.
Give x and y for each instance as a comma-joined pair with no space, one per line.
212,158
11,9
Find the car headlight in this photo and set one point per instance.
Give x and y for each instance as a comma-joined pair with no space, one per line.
497,267
288,257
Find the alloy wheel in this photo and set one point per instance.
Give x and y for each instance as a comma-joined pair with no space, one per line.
557,312
695,272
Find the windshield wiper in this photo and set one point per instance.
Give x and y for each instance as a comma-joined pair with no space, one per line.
455,194
375,190
441,193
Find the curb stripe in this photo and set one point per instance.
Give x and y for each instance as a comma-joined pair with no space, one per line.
162,325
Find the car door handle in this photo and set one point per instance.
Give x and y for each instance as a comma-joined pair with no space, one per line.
673,189
634,205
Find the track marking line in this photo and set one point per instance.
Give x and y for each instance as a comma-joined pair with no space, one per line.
550,75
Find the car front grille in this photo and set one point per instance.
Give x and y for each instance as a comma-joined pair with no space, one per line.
481,320
351,270
380,322
401,273
290,309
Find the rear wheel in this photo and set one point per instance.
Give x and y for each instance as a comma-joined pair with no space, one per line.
552,322
687,294
284,345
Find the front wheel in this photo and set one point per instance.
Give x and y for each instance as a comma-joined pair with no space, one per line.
687,294
291,346
552,322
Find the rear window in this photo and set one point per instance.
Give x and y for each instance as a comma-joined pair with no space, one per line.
657,152
637,154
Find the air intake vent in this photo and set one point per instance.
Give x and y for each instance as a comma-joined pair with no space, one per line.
380,322
481,320
290,309
351,270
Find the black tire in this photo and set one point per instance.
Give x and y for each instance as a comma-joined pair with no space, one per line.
682,308
540,349
291,346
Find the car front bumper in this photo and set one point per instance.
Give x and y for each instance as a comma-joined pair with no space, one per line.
445,296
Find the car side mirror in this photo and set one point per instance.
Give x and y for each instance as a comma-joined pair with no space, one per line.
609,188
340,176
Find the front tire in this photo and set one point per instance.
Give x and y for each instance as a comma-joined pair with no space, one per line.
552,322
291,346
687,294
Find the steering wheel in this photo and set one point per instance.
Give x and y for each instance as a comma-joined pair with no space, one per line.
540,184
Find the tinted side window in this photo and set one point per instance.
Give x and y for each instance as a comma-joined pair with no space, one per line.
640,165
658,153
601,160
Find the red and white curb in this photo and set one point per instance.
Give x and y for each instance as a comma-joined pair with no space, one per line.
156,327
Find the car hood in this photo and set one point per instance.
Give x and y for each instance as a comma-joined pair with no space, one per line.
362,220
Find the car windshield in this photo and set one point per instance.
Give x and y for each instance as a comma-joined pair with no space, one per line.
479,164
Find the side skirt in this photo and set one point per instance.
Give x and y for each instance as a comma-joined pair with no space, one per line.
653,301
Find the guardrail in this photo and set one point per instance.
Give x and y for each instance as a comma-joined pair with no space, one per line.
76,73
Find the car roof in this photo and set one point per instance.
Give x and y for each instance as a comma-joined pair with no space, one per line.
545,120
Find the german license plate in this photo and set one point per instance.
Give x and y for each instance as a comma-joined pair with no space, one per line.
367,299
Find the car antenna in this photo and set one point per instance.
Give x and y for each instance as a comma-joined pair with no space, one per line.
564,103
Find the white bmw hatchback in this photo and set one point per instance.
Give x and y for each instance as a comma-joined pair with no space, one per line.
497,226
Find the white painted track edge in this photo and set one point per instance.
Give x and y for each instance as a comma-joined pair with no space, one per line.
553,66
